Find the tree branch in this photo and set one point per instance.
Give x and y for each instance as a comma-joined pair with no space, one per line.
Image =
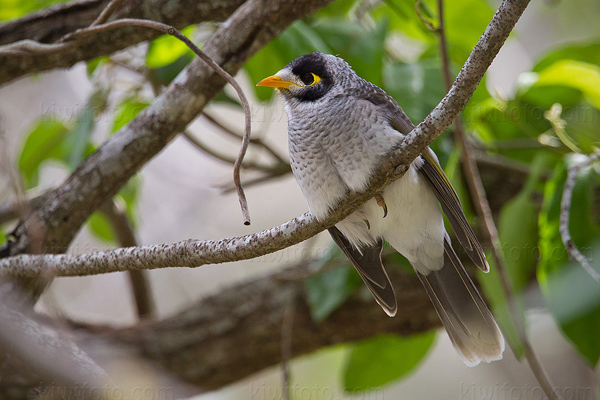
75,37
73,193
565,212
228,346
140,285
49,25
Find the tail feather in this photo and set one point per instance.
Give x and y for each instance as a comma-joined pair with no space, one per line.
470,325
368,264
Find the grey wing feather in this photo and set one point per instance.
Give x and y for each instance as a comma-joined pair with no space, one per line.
435,176
453,209
370,268
469,323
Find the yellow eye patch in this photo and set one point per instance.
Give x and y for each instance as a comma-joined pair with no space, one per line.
310,79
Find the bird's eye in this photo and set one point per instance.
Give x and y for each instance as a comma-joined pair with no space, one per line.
310,79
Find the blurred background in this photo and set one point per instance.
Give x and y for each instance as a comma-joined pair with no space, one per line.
535,114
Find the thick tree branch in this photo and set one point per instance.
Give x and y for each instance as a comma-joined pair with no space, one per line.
237,332
49,25
82,189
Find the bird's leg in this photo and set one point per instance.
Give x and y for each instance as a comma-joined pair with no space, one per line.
381,203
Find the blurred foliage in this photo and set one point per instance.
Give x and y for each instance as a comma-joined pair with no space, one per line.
11,9
66,140
383,359
327,290
548,123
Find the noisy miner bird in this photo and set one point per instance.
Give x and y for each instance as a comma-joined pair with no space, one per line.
340,126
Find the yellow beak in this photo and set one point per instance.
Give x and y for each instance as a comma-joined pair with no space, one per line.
276,82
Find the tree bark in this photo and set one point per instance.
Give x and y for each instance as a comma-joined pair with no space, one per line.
47,26
237,332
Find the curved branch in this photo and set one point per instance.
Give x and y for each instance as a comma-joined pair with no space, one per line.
49,25
164,28
565,212
194,253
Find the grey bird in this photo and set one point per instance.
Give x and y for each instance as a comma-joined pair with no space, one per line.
340,126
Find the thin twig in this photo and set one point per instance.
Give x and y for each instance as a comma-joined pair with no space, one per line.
273,174
565,211
255,141
140,286
422,18
484,211
81,33
109,10
225,158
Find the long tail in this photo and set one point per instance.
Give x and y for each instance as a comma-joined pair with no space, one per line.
469,323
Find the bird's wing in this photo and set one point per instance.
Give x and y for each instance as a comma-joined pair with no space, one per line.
370,268
452,207
435,175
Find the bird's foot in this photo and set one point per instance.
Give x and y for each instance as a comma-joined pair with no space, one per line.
381,203
367,223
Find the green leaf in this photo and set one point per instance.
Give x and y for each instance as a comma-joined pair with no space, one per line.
588,53
329,289
101,228
582,76
517,231
93,64
165,74
363,49
464,22
126,111
11,9
416,87
491,285
336,9
166,49
404,20
518,235
41,144
76,145
383,359
2,237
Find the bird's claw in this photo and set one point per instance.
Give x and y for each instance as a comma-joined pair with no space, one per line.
381,203
368,224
